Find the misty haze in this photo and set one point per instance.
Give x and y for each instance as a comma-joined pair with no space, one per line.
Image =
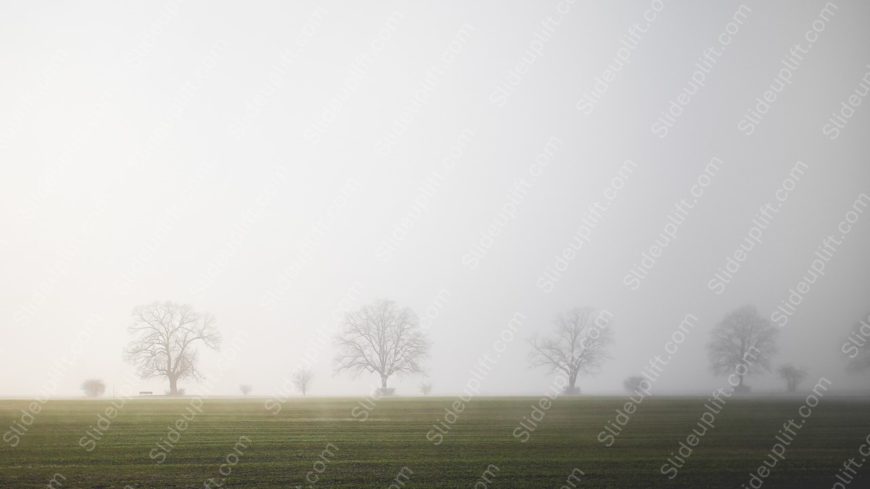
464,244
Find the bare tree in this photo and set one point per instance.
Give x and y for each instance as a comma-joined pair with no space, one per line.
792,376
636,383
744,338
165,338
93,387
426,388
381,338
246,389
302,379
578,346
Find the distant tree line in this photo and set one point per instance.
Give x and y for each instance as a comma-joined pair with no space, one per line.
385,340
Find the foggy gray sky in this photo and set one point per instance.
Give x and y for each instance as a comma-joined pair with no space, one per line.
259,161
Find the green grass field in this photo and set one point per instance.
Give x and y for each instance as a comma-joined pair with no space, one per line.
284,448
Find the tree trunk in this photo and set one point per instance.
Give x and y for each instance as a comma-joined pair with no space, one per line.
383,382
572,382
740,384
173,385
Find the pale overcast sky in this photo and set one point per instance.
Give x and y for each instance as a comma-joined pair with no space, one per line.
276,164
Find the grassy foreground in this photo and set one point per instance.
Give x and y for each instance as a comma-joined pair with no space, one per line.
284,449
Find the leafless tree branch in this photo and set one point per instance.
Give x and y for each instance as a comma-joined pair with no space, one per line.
165,337
381,338
578,345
